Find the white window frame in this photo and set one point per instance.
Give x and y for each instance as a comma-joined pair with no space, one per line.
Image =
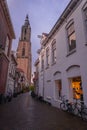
47,57
42,62
84,9
71,36
58,89
53,51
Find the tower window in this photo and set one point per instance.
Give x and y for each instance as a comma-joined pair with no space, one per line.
24,38
25,31
23,52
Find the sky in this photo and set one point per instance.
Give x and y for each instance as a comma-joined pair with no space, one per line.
43,14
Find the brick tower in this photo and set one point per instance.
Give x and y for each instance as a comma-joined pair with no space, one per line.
24,50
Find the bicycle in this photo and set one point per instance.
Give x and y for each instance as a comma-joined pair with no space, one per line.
80,110
66,105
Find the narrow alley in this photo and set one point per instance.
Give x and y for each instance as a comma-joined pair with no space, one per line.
25,113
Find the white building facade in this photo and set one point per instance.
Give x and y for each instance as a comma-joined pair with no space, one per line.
63,56
11,75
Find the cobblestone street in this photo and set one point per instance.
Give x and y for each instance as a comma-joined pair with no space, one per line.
25,113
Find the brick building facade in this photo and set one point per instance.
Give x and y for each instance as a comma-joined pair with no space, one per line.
6,36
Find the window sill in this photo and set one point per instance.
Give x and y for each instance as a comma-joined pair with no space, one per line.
57,100
71,52
47,67
42,70
48,97
86,44
53,63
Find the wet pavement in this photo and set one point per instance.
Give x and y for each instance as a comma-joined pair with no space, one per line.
25,113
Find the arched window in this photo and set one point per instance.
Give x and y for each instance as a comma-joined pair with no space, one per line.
25,31
23,52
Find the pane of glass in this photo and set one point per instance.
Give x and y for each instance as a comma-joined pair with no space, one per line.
85,13
70,29
7,45
72,42
54,56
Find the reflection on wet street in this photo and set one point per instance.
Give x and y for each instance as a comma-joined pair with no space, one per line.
25,113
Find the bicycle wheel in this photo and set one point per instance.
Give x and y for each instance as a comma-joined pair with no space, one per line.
84,114
76,111
63,107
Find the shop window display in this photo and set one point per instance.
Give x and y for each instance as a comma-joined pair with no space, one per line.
77,88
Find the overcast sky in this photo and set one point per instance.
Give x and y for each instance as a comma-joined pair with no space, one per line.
43,14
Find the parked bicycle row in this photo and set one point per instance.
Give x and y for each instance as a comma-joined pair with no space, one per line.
76,107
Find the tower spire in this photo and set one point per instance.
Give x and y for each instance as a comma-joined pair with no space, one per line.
26,21
26,30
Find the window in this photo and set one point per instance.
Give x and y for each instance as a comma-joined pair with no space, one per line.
23,52
42,62
54,51
25,31
77,88
85,17
7,45
85,12
24,38
71,37
47,57
58,89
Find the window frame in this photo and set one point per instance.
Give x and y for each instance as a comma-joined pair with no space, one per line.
47,57
42,62
84,8
53,46
7,45
70,29
58,89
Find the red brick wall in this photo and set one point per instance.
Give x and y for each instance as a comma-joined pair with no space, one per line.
4,31
3,72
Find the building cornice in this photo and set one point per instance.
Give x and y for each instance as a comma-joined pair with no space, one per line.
7,16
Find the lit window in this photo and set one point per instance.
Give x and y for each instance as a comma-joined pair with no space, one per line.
47,57
71,37
7,45
53,51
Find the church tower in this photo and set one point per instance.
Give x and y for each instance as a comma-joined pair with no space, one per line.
24,50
